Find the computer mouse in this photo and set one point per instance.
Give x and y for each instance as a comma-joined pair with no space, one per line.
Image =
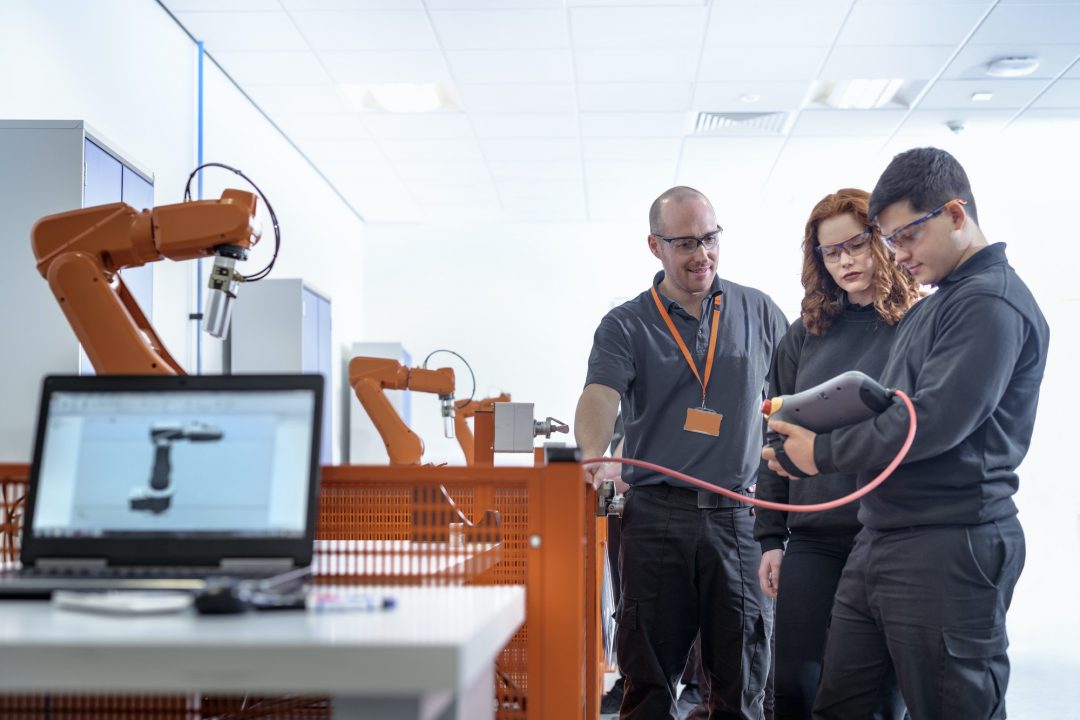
221,599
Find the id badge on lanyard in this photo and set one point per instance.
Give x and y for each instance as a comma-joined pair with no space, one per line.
698,419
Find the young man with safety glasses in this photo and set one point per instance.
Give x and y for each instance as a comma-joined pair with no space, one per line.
925,590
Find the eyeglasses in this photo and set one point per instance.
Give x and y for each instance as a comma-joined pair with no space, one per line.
909,234
689,244
853,246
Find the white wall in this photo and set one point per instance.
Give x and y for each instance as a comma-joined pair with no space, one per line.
521,302
129,71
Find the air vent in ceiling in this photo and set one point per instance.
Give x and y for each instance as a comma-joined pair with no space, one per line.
740,123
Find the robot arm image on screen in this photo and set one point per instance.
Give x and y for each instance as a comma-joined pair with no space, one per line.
370,376
81,253
158,497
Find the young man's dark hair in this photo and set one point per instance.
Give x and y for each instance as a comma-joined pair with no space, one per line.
925,177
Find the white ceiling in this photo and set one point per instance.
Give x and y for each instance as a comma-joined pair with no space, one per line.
585,109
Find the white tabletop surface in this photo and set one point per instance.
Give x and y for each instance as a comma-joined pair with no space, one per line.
440,637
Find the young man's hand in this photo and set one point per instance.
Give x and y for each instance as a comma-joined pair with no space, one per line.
769,572
799,446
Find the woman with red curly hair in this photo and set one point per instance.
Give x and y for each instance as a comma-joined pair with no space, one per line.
854,296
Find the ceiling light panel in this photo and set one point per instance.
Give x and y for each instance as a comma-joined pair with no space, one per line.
1064,93
244,30
768,24
897,61
1058,23
847,123
637,27
764,64
518,97
645,65
299,99
950,94
642,124
931,24
771,95
386,66
630,97
508,66
501,29
366,30
971,62
274,68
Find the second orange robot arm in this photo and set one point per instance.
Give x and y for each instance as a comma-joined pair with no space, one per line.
370,376
466,409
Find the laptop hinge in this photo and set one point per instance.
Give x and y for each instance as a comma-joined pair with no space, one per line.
257,564
68,563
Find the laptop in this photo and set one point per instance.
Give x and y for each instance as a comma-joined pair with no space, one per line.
169,482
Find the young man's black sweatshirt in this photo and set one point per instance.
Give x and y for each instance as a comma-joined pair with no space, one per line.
971,356
858,339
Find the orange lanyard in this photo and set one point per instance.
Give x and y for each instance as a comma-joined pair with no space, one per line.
682,345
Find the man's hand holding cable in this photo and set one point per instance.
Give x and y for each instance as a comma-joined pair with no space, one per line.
799,446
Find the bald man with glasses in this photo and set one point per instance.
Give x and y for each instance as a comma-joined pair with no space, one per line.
688,360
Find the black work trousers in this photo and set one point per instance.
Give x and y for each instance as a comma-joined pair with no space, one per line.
686,570
924,607
809,575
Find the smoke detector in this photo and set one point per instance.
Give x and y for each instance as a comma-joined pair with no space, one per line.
1012,67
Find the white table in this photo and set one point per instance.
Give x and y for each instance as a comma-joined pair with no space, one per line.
431,657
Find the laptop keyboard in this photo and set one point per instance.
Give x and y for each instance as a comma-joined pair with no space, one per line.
136,572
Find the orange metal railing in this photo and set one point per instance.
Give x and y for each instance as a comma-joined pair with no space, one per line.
531,526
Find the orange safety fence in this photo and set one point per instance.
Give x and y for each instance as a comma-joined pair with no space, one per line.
531,526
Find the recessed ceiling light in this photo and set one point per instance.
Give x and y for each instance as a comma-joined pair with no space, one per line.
1011,67
749,97
860,94
399,97
981,96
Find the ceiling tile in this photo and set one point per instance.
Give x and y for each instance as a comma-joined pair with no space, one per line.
490,4
179,6
638,27
815,166
1064,93
971,62
767,24
341,152
1040,115
468,172
449,192
510,66
520,149
627,3
1013,93
386,66
272,31
518,97
654,172
642,124
924,24
629,97
771,96
1030,24
768,64
298,99
501,29
431,150
846,123
367,30
339,126
645,65
1074,71
726,159
417,125
273,68
611,200
536,170
352,4
363,172
907,62
525,125
933,124
616,149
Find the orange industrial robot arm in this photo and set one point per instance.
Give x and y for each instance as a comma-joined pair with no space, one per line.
465,410
80,253
370,376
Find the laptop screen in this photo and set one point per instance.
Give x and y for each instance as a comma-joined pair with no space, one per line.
175,468
176,462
